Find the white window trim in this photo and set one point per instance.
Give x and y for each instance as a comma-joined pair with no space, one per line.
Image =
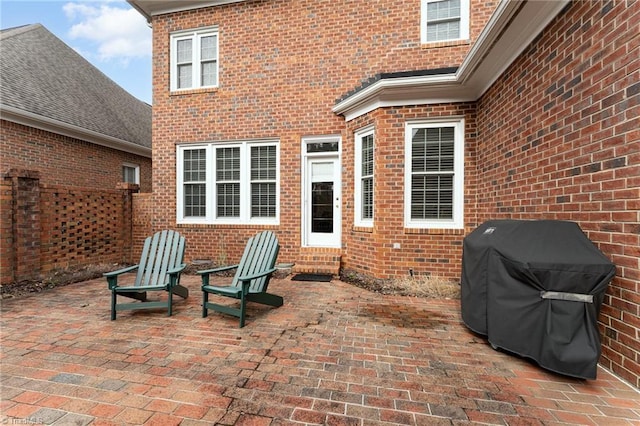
464,22
136,167
458,179
194,35
359,135
245,184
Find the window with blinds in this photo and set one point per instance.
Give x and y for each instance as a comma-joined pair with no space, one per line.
364,177
194,59
228,183
263,181
131,173
434,174
194,177
444,20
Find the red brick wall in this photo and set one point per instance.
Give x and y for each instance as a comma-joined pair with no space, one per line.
6,231
47,228
62,160
59,203
555,137
142,220
82,226
559,138
282,66
435,252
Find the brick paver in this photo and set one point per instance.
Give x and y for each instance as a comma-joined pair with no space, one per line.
333,355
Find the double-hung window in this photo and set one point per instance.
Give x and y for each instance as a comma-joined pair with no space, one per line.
194,59
228,183
364,162
434,174
444,20
131,173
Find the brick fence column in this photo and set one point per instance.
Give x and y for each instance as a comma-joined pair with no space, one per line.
25,224
128,189
142,222
6,230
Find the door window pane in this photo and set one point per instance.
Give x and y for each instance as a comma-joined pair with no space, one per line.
322,207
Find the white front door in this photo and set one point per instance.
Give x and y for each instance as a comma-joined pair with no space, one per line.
321,211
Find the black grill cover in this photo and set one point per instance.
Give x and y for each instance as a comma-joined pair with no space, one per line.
535,288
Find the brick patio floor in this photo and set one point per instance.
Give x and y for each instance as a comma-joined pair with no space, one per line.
332,355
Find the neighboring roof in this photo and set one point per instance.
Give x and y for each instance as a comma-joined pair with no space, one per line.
511,28
45,84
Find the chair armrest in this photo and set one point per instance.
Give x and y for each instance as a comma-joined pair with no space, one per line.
112,277
177,269
120,271
213,271
246,280
205,274
258,275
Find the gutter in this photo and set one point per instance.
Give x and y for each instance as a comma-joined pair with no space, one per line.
29,119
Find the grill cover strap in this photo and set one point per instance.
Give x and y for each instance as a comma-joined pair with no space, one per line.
572,297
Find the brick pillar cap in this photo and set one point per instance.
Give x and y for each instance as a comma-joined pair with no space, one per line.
128,186
22,173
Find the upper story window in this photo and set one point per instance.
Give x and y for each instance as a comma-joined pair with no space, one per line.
444,20
236,182
434,174
194,59
364,162
131,173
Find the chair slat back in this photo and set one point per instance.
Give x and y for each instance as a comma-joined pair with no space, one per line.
260,253
161,252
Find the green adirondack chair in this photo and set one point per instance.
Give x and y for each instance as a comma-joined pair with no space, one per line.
159,270
251,279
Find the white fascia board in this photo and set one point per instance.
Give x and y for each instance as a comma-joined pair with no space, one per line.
405,96
511,28
149,8
515,26
29,119
384,92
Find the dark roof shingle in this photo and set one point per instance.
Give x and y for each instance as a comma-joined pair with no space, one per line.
41,75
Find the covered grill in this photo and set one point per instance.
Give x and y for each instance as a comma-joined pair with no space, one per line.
535,288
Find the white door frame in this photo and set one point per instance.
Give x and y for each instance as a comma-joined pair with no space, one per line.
324,239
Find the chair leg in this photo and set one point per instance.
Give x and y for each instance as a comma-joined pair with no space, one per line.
170,302
243,305
205,300
113,305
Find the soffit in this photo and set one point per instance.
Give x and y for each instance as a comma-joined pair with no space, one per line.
150,8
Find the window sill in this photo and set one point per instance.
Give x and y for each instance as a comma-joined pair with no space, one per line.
193,91
434,231
225,226
367,229
445,43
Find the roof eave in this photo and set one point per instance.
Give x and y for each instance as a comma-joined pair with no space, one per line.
150,8
29,119
511,28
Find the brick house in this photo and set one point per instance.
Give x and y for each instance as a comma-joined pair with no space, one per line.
301,116
69,137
